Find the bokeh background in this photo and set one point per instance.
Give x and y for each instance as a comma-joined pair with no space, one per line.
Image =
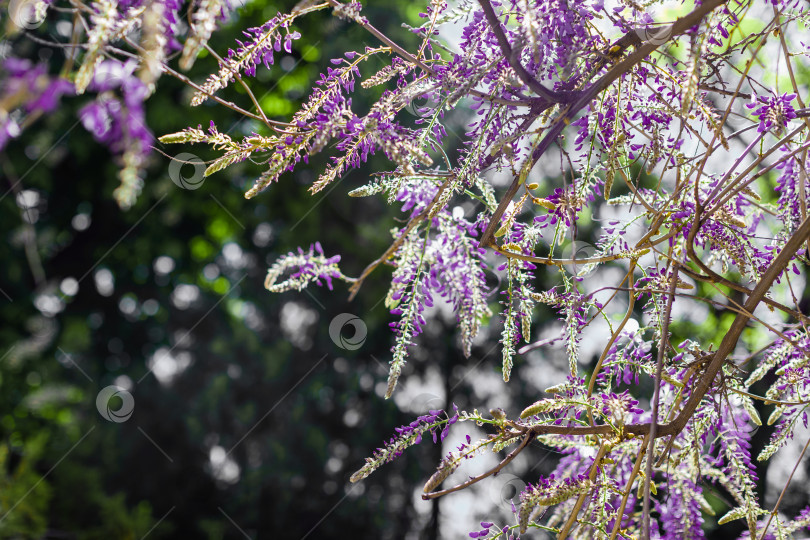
248,416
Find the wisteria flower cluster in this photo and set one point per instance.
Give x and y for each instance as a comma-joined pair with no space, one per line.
309,266
408,436
27,92
117,119
635,173
774,112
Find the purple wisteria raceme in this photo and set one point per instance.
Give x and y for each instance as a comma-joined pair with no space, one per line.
158,27
620,409
738,473
326,115
449,263
260,48
774,112
108,25
304,267
117,121
457,274
407,299
549,492
625,359
116,118
407,436
789,186
203,23
26,92
681,511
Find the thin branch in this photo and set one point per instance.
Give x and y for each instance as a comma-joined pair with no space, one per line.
186,80
513,57
238,77
358,282
405,55
642,51
629,487
784,490
565,262
659,367
512,455
603,449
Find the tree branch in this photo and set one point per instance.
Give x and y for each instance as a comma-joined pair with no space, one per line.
642,51
512,455
513,57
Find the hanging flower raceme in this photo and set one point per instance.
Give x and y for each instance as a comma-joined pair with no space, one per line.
549,492
260,48
774,112
406,437
306,267
26,92
618,408
117,119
